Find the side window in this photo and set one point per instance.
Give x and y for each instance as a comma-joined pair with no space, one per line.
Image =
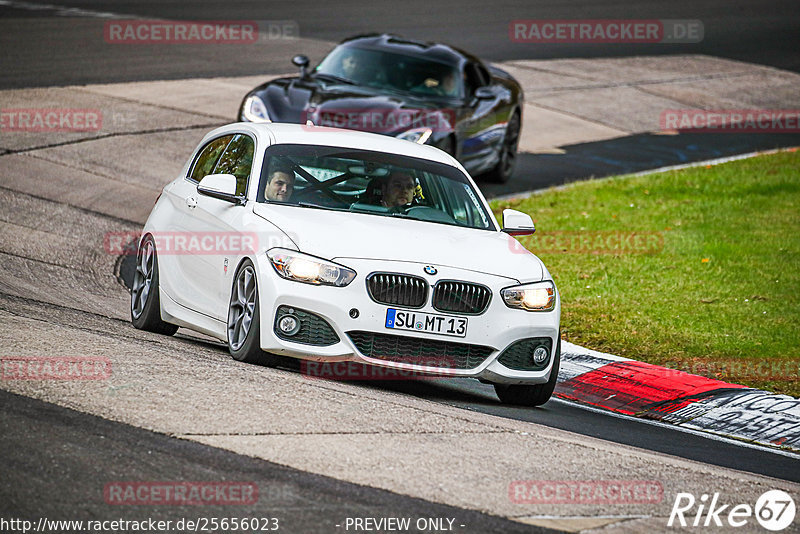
207,159
473,78
483,73
237,160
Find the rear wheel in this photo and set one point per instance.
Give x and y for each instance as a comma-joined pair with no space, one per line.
504,169
535,394
244,319
145,300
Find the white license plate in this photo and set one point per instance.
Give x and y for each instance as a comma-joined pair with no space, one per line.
426,322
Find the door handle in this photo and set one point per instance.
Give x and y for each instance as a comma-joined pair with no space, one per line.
191,202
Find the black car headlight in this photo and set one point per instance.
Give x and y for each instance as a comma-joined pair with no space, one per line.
254,110
300,267
539,296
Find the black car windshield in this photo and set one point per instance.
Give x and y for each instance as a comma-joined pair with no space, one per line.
374,183
388,70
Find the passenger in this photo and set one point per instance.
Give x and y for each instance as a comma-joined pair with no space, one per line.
280,184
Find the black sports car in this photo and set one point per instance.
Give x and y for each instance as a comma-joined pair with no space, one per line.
423,92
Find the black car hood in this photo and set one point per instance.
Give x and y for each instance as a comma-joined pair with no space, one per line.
348,106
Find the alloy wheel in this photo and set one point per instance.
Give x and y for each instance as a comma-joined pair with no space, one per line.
242,307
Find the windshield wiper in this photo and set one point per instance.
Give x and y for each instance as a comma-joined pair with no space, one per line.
334,78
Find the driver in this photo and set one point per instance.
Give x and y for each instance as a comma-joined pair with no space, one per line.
349,66
449,87
398,189
280,184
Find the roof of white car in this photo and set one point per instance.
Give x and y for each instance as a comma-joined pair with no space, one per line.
283,133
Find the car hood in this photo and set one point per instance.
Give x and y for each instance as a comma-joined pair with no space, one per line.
340,235
352,107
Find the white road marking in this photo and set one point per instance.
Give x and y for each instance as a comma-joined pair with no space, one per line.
717,161
707,434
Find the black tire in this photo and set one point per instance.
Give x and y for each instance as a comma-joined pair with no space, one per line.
502,172
145,300
531,395
245,345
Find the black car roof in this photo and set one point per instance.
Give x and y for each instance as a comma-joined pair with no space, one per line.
422,49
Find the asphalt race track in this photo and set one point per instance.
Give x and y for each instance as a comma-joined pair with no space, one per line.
180,408
54,50
55,480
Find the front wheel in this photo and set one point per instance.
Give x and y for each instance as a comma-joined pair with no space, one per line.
145,300
535,394
244,319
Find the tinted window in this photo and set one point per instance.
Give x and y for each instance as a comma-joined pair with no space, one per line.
484,75
388,70
237,160
207,159
473,79
375,183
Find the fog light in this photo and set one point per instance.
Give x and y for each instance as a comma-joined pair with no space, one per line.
540,355
289,325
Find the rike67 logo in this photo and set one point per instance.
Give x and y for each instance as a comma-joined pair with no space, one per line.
774,510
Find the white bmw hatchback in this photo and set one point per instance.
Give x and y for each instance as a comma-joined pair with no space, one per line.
333,245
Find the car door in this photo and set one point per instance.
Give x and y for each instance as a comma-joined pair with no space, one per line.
216,225
222,221
182,270
483,125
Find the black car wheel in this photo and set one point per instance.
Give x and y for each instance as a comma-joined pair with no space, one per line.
531,395
145,303
504,169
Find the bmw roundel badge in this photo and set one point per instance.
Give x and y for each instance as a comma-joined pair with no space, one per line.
430,269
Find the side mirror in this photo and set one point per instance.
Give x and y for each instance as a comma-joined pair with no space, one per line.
517,223
221,186
302,62
484,93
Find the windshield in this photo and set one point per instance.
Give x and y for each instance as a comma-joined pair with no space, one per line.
374,183
387,70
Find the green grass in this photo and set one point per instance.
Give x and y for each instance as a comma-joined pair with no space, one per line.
724,288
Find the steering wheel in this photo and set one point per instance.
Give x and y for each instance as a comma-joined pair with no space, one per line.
322,193
426,213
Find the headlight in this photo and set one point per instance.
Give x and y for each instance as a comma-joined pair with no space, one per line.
254,110
308,269
540,296
416,135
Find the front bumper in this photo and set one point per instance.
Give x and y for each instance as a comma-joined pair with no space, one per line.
497,328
